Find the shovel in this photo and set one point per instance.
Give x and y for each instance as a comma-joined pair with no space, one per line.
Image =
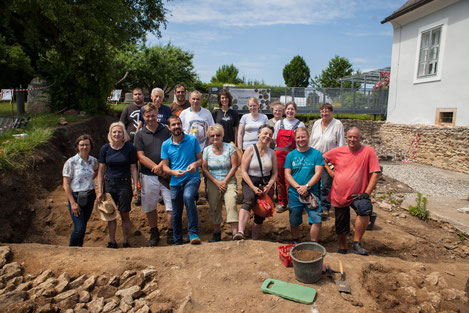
342,284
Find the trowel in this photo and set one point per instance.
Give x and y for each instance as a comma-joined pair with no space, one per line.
342,284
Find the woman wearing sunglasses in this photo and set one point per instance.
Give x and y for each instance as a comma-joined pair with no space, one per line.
220,162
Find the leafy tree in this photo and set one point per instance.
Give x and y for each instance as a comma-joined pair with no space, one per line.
296,73
162,66
227,74
338,67
74,44
15,65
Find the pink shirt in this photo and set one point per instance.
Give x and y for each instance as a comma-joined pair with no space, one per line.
352,172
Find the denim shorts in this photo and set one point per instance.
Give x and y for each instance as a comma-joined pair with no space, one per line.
296,208
120,190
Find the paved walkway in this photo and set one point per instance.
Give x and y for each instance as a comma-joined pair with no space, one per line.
447,191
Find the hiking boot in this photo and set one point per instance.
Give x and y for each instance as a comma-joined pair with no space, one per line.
238,236
194,239
126,245
215,237
358,249
154,237
169,237
281,208
342,251
112,245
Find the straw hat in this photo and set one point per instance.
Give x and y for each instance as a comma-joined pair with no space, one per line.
106,208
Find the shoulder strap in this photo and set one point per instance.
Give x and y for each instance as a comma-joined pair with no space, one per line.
282,126
296,125
259,159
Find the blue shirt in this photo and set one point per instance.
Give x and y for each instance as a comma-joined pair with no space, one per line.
164,112
180,157
118,161
219,165
302,165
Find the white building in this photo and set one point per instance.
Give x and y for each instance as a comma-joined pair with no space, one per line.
430,63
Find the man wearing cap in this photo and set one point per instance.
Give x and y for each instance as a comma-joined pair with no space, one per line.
180,103
303,168
148,144
181,157
356,172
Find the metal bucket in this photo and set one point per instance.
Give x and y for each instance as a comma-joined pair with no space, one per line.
308,272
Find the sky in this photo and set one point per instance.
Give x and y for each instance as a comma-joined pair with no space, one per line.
261,36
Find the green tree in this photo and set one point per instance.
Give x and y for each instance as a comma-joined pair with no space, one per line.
338,67
227,74
164,66
74,44
15,65
296,73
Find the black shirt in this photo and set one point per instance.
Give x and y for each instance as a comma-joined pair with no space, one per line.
229,121
150,143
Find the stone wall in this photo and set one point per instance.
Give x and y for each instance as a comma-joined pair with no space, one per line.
439,146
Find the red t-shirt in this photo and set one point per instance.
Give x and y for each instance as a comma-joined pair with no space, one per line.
352,172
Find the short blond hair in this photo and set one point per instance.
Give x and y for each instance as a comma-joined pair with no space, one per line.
252,99
216,128
277,103
122,126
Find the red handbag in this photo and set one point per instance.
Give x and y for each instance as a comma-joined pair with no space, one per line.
264,206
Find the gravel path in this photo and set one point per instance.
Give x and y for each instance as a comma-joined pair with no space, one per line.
428,180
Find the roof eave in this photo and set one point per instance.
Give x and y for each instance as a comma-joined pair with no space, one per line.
405,10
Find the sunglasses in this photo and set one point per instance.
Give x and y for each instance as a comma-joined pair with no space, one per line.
215,135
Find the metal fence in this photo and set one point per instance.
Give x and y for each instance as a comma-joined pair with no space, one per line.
308,100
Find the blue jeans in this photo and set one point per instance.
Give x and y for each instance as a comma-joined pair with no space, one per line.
80,221
181,195
326,184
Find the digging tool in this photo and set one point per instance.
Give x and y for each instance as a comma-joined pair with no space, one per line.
342,284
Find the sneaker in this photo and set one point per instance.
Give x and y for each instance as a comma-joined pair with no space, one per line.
112,245
154,237
238,236
215,237
194,239
358,249
281,208
342,251
169,237
126,245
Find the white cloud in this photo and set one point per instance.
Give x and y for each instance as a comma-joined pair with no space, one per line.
359,33
245,13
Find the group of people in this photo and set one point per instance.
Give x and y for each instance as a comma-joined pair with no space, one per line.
156,151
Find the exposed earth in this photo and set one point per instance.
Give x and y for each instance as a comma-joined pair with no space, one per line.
414,266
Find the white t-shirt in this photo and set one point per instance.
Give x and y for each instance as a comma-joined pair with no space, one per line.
332,137
251,126
288,125
196,124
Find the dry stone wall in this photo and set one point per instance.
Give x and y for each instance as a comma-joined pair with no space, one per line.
439,146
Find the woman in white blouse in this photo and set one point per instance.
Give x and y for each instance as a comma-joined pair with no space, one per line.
249,125
327,134
78,181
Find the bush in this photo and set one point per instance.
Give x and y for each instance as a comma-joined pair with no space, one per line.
420,210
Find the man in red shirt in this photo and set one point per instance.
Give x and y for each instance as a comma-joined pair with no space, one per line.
356,172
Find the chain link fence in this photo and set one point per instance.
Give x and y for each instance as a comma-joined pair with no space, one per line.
308,100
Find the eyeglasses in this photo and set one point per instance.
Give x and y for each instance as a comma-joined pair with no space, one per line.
215,135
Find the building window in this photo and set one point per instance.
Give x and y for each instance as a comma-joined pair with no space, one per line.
429,52
445,117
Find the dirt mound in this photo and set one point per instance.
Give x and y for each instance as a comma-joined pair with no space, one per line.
20,189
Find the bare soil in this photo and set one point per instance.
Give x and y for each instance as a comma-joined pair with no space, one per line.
414,266
306,255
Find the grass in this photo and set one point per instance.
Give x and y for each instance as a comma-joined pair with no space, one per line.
420,210
15,151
